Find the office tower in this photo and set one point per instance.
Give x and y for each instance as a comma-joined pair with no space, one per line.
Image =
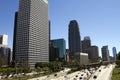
53,52
93,53
14,35
49,30
5,56
105,53
61,46
32,33
114,53
86,43
3,40
74,38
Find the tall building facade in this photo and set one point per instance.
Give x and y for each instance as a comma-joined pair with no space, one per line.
105,53
53,52
61,46
114,52
3,40
74,38
32,33
83,58
14,35
86,43
5,56
93,53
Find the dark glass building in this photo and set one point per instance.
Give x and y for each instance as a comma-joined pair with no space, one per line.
93,53
53,52
60,48
74,38
86,43
5,56
14,35
114,53
105,53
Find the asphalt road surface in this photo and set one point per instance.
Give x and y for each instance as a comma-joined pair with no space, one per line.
104,73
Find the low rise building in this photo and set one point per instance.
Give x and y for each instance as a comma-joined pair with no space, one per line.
83,58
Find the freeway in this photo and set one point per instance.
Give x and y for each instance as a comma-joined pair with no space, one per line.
104,73
78,75
100,73
62,75
52,76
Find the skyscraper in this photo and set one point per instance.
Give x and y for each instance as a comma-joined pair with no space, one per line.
53,52
14,35
74,38
32,33
86,43
93,53
61,46
5,56
105,53
114,53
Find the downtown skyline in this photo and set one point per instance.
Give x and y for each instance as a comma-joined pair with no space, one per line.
97,19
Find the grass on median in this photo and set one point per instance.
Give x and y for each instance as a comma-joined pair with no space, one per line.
116,74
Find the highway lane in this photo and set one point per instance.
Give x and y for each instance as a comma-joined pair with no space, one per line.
97,72
83,74
107,74
62,75
104,74
52,76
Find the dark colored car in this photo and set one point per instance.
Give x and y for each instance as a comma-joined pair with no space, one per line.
95,76
80,78
99,70
82,74
55,74
76,75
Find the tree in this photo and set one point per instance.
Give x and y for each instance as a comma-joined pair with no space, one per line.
1,61
118,56
12,64
38,69
118,59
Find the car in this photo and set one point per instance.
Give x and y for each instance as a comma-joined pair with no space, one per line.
82,74
10,76
99,70
55,74
4,76
75,79
76,75
80,78
65,76
95,76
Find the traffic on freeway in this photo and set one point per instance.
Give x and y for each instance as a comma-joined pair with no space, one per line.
97,73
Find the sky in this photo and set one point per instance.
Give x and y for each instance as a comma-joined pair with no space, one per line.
99,19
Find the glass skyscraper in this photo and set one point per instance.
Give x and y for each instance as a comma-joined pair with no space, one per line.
61,46
114,53
74,38
32,33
